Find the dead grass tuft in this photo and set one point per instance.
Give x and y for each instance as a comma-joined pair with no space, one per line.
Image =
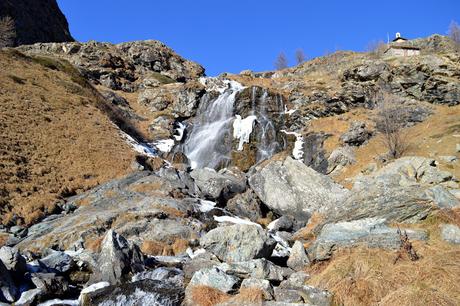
208,296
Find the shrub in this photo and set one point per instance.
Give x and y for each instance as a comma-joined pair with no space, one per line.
7,32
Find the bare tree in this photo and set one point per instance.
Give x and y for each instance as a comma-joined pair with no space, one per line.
390,120
376,47
454,32
281,61
299,56
7,32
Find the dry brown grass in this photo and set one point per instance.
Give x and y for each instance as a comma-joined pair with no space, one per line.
179,246
207,296
153,248
362,276
307,233
94,244
54,141
3,239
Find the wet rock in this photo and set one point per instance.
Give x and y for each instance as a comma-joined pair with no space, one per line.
260,284
13,261
257,268
117,259
215,278
144,292
371,232
58,262
291,188
246,205
298,259
216,185
450,233
239,242
357,134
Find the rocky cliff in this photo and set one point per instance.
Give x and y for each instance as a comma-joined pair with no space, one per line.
36,21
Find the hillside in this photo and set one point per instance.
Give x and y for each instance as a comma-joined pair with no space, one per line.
135,179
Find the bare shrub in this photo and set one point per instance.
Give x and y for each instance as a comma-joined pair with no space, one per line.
299,56
390,121
7,32
405,248
281,61
376,47
454,32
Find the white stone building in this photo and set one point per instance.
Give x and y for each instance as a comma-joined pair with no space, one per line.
400,47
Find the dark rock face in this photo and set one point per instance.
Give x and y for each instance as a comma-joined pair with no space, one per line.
36,21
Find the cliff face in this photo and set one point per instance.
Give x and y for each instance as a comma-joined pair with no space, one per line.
36,21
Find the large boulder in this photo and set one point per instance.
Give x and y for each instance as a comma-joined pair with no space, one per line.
222,184
8,290
246,205
117,259
256,268
370,232
289,187
298,259
357,134
215,278
13,260
58,262
239,242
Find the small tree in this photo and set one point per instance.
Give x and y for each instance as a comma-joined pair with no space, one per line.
454,32
390,120
7,32
299,56
376,47
281,61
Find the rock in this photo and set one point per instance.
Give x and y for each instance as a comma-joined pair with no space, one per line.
172,276
339,158
36,21
448,159
287,295
58,262
314,154
357,134
450,233
215,278
216,185
245,205
256,268
50,284
29,297
247,72
116,260
441,197
260,284
298,259
8,291
370,232
284,223
144,292
205,260
291,188
315,296
239,242
297,279
13,260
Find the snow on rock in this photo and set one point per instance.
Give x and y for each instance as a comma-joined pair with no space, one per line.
297,152
289,112
94,287
234,220
165,145
58,302
206,206
139,147
242,129
193,254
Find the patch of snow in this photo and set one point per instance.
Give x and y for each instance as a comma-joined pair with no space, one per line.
165,145
94,287
193,254
206,206
235,220
180,131
290,111
297,152
74,253
242,129
272,224
139,147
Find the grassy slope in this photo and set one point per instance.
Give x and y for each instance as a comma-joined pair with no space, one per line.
54,140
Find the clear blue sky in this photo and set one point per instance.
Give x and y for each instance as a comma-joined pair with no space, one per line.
229,36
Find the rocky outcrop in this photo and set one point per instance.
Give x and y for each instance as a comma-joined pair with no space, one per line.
290,187
216,185
126,66
36,21
357,134
450,233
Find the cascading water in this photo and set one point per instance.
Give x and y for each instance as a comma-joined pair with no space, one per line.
209,143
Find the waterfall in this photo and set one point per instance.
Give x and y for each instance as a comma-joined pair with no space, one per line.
209,143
